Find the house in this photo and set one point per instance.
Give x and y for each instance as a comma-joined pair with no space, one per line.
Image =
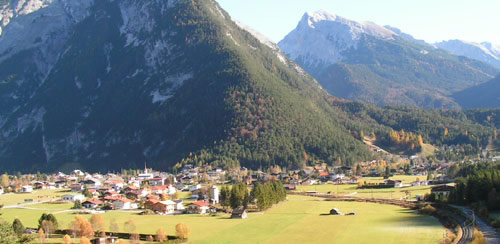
165,207
394,183
442,191
195,187
239,213
104,240
157,181
323,176
39,185
123,203
179,205
76,187
73,198
27,189
198,207
92,203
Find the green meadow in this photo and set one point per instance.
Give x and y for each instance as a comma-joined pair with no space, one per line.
297,220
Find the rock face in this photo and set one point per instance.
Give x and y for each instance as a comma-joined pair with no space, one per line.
485,51
109,84
380,65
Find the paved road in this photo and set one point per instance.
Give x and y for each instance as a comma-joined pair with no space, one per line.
491,235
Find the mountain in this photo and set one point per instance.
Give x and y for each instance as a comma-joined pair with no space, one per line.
406,36
371,63
485,51
481,96
105,85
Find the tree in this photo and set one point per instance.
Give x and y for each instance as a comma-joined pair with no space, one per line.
130,226
18,227
67,239
7,234
84,240
113,226
182,231
49,217
160,235
87,193
77,205
47,227
225,195
97,222
4,181
82,227
41,235
134,238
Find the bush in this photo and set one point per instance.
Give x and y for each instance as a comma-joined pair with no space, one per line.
478,238
428,209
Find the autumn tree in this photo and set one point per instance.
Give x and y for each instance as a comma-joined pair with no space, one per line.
182,231
97,223
130,226
134,238
160,235
113,226
41,235
67,239
4,181
84,240
48,227
82,227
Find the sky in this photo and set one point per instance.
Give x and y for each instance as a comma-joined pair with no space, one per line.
430,20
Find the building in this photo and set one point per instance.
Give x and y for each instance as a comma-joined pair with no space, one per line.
73,198
165,207
239,213
442,191
123,203
27,189
198,207
92,204
214,195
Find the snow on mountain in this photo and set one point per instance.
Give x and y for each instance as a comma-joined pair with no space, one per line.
327,36
485,52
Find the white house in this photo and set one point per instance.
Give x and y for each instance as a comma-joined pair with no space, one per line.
27,189
198,207
73,198
195,187
123,203
179,205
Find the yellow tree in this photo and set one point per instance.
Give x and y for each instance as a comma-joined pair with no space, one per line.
97,222
113,226
67,240
84,240
82,227
48,227
5,181
130,226
182,231
160,235
41,235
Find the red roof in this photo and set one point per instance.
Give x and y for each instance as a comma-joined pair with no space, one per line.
96,202
323,174
158,188
200,203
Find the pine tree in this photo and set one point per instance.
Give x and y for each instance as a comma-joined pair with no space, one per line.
18,227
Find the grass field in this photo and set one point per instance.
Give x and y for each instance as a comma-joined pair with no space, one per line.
351,190
37,196
297,220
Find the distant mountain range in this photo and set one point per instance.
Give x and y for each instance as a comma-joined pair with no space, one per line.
107,85
380,65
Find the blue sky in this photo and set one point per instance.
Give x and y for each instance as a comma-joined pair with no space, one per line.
431,20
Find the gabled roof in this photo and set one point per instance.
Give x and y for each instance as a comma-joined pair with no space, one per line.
200,203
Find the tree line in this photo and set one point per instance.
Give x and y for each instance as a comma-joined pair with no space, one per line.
264,195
